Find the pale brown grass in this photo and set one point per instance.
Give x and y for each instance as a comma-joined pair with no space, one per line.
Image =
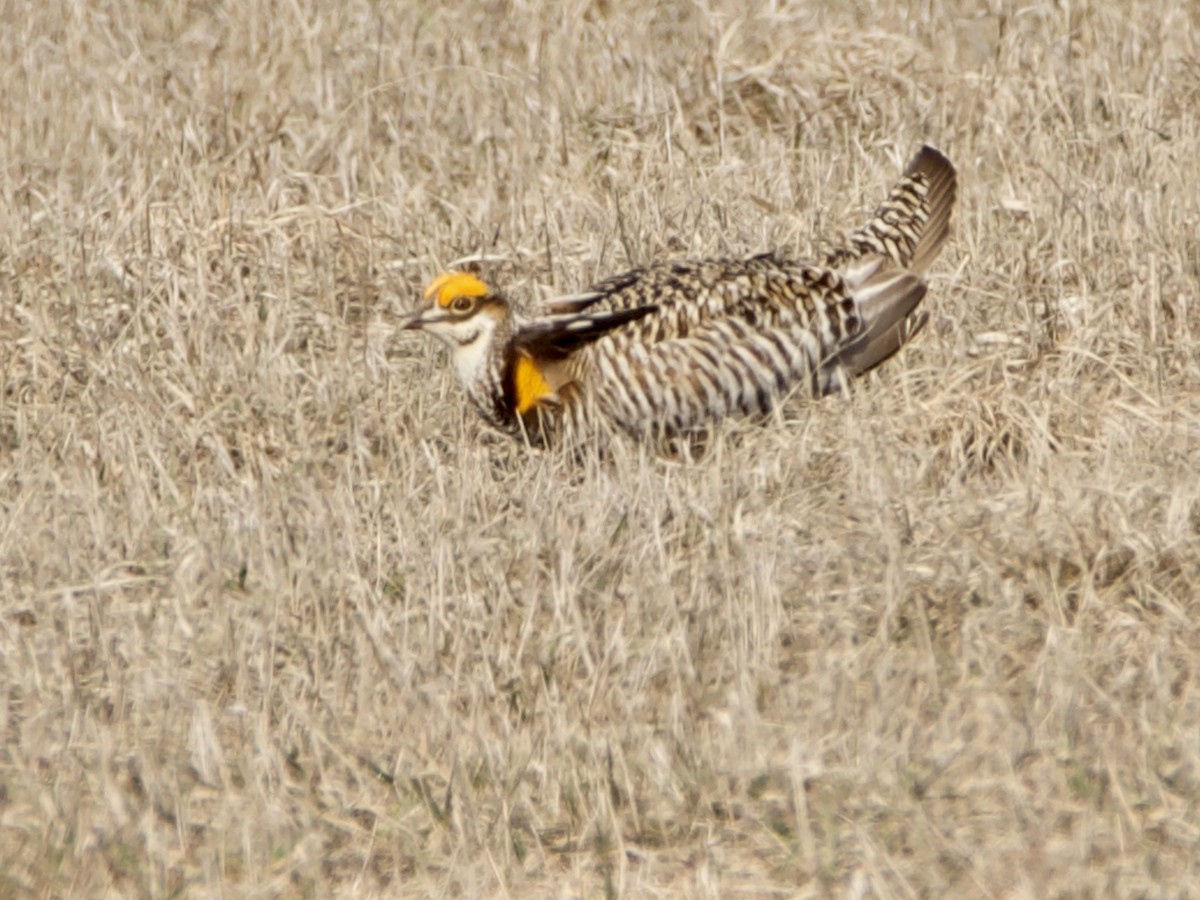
278,617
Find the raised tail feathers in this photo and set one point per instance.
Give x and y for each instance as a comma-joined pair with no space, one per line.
885,261
941,193
910,226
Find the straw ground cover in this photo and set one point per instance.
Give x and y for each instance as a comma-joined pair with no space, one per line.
279,617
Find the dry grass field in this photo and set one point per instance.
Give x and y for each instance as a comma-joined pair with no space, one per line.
279,617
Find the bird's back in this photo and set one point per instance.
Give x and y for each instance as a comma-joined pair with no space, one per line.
734,336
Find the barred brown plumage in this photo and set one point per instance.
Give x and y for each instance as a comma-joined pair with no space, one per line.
660,350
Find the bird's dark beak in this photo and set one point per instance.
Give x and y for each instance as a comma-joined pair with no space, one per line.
415,322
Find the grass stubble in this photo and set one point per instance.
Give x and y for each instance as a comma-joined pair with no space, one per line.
278,617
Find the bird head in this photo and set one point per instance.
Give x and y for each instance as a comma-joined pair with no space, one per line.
464,314
453,301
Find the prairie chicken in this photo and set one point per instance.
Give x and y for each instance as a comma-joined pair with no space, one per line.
663,350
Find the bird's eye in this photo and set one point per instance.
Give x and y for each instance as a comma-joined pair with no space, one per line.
462,304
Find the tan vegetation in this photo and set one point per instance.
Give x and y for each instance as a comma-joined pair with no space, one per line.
278,617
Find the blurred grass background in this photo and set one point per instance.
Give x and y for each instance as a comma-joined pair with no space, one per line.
279,617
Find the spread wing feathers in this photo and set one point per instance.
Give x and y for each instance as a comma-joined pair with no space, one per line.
558,336
911,225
